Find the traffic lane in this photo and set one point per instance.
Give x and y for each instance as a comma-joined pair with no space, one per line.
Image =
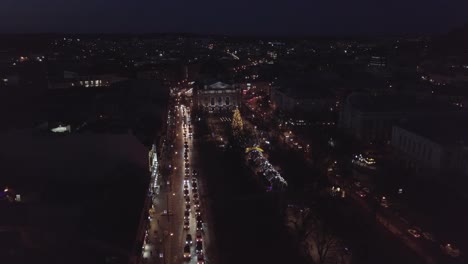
396,224
193,222
390,223
177,201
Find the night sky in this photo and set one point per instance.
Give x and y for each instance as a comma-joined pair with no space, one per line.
259,17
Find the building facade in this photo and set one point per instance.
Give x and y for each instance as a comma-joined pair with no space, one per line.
217,97
371,118
424,153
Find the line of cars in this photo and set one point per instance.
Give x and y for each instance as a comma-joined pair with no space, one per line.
191,187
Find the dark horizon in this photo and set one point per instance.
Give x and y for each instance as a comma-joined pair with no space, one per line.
244,18
239,35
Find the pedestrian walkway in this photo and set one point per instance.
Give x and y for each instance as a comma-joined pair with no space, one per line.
156,243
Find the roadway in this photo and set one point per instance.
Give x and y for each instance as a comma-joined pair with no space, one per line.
165,235
177,200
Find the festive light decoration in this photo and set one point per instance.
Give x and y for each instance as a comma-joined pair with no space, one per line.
247,150
237,124
362,161
269,173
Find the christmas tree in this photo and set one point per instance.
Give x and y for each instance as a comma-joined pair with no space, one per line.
237,124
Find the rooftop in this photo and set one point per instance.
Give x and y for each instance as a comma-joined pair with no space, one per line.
73,184
444,131
396,103
306,88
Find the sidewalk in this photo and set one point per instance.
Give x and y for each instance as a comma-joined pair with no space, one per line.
156,246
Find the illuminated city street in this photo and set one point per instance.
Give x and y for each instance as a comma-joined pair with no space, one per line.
149,132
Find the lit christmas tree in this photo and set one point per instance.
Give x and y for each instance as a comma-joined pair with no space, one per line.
237,124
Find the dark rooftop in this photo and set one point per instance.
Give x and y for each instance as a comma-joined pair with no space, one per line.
445,131
396,103
77,183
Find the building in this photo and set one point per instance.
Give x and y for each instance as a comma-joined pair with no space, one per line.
73,79
217,97
70,186
377,61
256,87
432,146
371,118
305,99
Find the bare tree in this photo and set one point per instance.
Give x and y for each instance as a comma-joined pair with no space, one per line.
323,239
300,222
315,236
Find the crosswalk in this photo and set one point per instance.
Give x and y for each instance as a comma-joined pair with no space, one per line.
225,119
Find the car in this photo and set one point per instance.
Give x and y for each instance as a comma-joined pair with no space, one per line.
357,184
199,247
186,186
195,196
194,190
187,170
185,155
197,211
186,158
361,194
198,236
186,192
366,190
187,164
195,172
186,224
188,239
187,150
199,219
414,232
200,259
187,199
185,143
186,215
194,184
194,180
450,250
199,226
196,203
187,207
187,254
